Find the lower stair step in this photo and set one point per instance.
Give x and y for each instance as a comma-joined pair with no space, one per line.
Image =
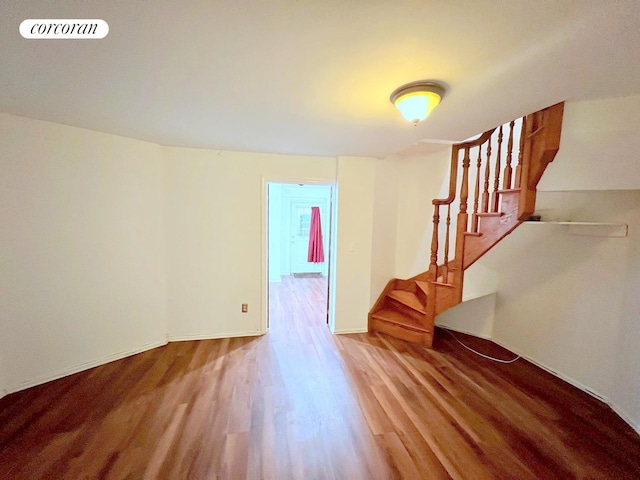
397,318
397,325
407,298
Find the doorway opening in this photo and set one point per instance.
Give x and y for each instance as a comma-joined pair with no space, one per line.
299,224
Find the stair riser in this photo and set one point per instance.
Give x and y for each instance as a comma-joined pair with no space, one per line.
509,201
422,296
397,331
493,227
422,292
404,309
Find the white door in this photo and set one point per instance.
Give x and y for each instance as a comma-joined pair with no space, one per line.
300,215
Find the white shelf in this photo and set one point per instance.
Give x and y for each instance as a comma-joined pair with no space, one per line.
592,229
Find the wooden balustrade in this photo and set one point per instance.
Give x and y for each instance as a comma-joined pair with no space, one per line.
487,185
407,309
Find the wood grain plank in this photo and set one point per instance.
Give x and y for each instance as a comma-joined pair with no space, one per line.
301,403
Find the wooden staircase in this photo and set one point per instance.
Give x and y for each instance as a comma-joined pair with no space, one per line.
503,196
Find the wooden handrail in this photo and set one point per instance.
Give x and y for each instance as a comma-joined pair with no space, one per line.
527,173
453,178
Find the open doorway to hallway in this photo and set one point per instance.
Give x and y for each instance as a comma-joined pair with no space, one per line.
298,254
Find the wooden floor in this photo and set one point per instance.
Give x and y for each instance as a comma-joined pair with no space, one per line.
301,403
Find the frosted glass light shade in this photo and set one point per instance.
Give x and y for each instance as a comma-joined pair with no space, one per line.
415,101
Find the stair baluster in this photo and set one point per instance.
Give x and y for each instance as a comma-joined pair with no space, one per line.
487,175
476,196
446,244
433,265
464,190
508,172
496,180
521,152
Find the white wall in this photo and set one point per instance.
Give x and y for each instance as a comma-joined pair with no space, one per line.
599,147
385,221
626,376
571,303
474,316
81,249
275,232
112,245
566,301
420,180
214,230
548,312
356,185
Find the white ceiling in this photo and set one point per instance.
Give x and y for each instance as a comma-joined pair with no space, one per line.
313,76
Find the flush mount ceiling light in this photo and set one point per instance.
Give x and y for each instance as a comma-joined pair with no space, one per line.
416,100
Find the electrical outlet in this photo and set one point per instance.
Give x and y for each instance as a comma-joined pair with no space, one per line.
245,307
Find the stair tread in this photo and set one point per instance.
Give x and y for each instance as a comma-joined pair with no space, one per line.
440,279
509,190
490,214
398,318
407,298
424,286
472,234
443,284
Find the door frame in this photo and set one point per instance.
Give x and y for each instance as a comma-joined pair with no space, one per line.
333,219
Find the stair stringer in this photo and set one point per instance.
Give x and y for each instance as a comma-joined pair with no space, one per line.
492,228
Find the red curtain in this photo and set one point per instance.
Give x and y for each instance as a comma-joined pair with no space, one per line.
316,250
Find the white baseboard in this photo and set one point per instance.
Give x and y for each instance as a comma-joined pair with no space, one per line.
603,398
352,330
444,326
626,417
211,336
560,375
597,395
113,357
82,366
